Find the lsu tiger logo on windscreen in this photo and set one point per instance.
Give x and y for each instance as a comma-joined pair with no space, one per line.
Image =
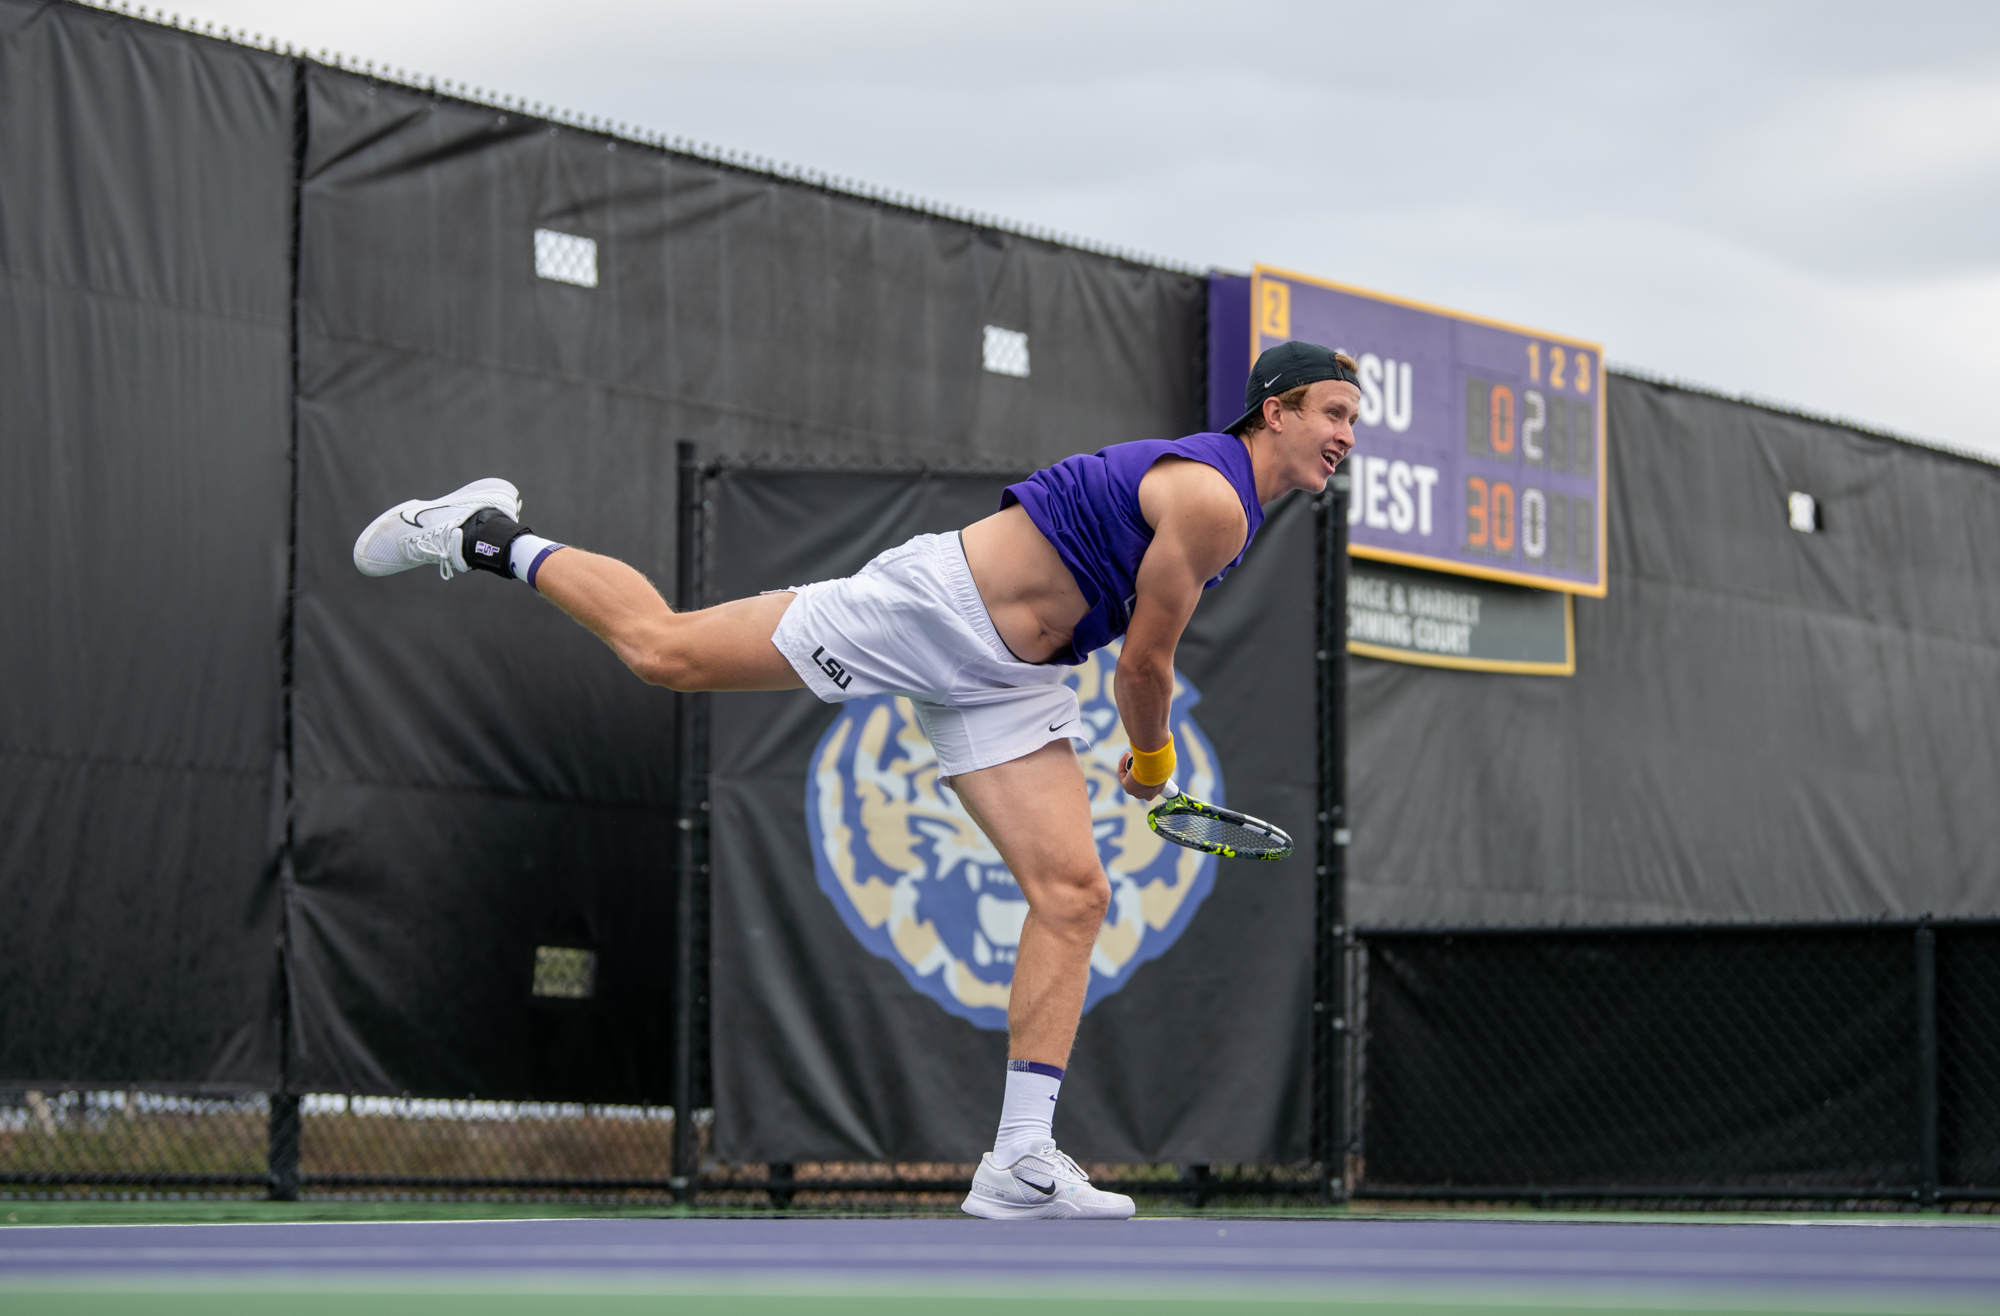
918,883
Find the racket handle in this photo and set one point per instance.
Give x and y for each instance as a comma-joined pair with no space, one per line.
1169,792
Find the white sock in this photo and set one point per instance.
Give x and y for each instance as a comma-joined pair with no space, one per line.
1028,1113
527,553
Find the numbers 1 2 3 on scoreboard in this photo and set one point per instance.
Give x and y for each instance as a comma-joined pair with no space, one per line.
1480,449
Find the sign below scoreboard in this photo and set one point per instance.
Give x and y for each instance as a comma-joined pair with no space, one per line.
1424,617
1480,449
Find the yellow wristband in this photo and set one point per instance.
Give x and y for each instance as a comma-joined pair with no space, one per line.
1152,767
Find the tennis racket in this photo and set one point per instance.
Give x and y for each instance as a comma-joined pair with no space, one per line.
1215,830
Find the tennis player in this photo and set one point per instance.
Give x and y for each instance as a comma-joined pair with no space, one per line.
975,628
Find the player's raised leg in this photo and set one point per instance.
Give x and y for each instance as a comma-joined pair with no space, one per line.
727,647
475,529
1036,811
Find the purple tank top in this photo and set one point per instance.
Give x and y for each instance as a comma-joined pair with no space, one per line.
1088,507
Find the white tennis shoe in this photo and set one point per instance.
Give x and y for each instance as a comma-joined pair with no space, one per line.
1042,1185
429,531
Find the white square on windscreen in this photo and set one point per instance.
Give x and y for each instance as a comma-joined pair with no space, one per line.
566,258
1006,351
1805,513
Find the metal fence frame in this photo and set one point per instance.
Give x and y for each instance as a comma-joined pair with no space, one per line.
1930,1189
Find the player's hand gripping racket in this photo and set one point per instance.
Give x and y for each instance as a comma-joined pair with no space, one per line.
1187,821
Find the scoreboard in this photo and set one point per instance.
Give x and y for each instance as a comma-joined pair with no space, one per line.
1480,448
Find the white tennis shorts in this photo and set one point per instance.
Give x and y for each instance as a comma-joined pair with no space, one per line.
911,623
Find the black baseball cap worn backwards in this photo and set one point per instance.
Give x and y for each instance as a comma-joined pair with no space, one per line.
1285,367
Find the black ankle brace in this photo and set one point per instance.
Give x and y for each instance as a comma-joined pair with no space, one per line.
489,533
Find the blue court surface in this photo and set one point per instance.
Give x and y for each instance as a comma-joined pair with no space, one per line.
899,1265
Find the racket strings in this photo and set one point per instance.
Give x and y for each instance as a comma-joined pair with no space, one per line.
1202,830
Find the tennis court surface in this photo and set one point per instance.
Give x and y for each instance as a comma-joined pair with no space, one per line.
901,1265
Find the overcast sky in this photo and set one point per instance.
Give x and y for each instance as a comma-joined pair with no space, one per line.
1797,201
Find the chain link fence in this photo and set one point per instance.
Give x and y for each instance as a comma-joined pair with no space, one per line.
84,1143
1728,1066
1968,1025
1720,1064
128,1144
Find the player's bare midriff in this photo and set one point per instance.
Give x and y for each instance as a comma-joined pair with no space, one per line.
1024,583
1027,587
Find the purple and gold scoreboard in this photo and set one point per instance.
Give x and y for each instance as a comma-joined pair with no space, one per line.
1480,450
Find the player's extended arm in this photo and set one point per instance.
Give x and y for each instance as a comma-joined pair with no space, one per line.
1198,528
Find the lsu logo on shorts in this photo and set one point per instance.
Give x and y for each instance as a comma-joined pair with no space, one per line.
918,884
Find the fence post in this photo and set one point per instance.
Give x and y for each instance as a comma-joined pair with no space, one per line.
687,1167
1194,1186
281,1152
1330,1006
281,1135
1927,1066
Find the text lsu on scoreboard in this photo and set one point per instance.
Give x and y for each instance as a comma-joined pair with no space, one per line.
1480,448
